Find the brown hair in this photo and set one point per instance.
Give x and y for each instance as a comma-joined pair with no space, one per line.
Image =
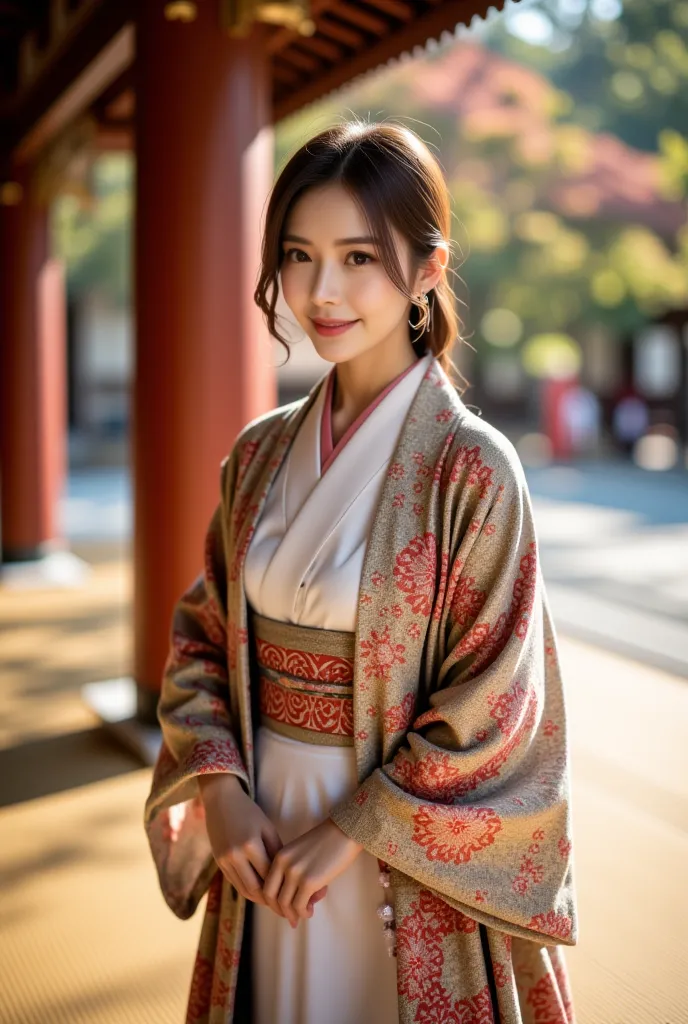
396,181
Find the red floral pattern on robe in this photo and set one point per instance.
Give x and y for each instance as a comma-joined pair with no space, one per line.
399,717
199,995
469,466
414,572
454,833
467,603
452,628
381,654
420,963
485,640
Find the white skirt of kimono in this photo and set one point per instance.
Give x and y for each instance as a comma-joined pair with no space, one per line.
333,968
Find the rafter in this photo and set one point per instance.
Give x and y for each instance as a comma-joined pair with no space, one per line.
323,47
356,15
438,17
342,33
394,8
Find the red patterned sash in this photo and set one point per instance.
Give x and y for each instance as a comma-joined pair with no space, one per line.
306,681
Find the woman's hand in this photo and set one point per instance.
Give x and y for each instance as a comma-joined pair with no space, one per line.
302,870
242,838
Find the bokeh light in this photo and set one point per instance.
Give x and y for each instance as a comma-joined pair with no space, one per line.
554,356
501,327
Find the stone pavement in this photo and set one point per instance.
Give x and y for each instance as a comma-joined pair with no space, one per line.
85,937
614,549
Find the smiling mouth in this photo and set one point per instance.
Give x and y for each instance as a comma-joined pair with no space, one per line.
331,323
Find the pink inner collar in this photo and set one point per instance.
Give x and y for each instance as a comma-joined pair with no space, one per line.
328,450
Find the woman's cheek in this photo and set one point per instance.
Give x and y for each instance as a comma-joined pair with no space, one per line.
293,291
368,295
376,291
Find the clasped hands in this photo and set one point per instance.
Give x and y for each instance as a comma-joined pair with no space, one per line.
288,878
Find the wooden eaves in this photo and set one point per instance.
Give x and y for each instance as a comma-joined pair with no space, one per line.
52,49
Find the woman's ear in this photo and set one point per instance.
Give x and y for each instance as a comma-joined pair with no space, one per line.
432,270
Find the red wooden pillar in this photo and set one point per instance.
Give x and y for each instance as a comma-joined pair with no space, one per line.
204,169
32,379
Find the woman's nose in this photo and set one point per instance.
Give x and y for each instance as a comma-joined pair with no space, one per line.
326,287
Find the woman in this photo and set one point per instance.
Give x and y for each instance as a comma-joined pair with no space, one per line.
363,686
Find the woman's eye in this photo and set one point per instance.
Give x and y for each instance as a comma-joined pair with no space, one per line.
363,257
294,254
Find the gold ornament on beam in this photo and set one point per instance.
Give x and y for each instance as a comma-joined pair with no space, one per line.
181,10
237,16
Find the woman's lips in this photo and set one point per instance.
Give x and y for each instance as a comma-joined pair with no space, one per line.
329,330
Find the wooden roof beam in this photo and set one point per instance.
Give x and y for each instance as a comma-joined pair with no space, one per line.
342,29
281,37
323,47
282,73
301,60
115,102
36,51
342,33
394,8
359,17
75,67
437,19
83,90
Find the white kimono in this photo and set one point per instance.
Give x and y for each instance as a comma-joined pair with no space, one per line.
304,567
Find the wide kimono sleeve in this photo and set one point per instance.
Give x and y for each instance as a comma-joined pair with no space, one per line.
474,805
197,728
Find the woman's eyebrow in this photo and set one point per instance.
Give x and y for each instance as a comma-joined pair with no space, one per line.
361,240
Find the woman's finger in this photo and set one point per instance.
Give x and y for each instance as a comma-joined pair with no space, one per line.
302,900
286,896
252,883
273,905
272,840
232,877
273,884
315,898
257,856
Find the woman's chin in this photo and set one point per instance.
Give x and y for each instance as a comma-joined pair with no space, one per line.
337,349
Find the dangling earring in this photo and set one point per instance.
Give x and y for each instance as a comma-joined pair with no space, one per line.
423,304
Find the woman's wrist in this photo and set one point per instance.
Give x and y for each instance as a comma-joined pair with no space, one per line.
218,781
352,842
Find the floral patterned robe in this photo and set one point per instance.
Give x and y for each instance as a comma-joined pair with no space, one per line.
459,719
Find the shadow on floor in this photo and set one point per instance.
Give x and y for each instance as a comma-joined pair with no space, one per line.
43,767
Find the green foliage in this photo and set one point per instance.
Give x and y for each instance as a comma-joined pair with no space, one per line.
624,64
92,233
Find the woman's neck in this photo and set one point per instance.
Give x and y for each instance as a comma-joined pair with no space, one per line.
359,381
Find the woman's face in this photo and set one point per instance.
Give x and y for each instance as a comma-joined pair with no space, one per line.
332,276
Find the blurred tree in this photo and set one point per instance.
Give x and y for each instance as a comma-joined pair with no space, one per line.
92,232
624,63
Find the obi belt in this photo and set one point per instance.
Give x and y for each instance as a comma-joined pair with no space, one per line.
306,681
